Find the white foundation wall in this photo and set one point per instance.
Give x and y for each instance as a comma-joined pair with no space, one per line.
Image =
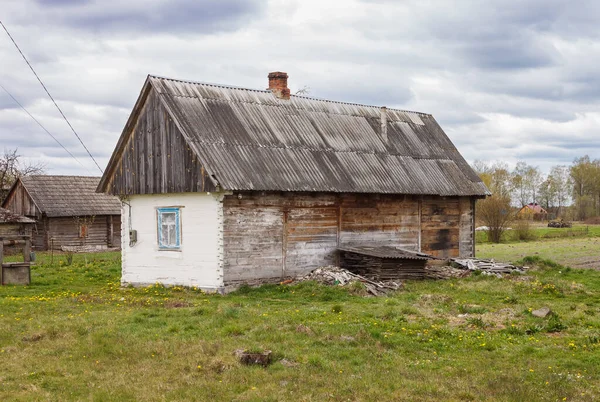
199,262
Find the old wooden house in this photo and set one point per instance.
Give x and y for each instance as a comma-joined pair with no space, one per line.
224,185
532,211
68,212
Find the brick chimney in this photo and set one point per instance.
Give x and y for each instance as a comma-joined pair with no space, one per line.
278,84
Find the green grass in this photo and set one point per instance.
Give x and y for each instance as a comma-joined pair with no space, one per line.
75,334
574,252
540,231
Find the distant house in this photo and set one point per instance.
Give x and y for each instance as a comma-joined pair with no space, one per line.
225,185
67,211
533,210
12,224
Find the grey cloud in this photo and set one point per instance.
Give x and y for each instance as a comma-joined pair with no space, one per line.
137,17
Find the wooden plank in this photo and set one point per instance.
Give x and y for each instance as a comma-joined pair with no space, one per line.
27,251
157,159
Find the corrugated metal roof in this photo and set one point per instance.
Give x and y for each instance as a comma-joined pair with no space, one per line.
387,252
70,196
251,140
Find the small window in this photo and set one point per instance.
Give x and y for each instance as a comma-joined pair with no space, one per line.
169,234
83,231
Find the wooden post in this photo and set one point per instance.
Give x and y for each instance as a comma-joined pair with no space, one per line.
27,251
420,212
339,232
284,242
1,259
111,233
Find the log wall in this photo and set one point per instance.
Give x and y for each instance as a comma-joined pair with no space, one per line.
276,235
65,231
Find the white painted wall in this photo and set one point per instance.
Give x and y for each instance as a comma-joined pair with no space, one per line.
198,263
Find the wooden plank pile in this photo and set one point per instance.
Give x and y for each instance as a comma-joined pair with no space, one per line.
487,267
332,275
383,269
445,272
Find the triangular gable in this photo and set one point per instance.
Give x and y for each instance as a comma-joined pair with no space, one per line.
14,201
152,155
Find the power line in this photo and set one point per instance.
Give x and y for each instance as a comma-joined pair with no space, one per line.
53,101
40,124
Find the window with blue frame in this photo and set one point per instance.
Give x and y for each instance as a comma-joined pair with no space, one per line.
169,228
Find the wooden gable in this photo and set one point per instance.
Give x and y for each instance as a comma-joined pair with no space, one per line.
19,201
153,156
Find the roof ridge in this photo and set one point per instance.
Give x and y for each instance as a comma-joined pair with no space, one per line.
59,175
291,95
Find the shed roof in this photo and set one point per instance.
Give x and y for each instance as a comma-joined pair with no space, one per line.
8,217
387,252
69,196
251,140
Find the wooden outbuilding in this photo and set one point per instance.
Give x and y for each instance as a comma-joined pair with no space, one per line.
534,211
225,185
12,224
67,211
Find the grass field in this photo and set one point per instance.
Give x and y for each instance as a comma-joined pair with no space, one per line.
75,334
581,252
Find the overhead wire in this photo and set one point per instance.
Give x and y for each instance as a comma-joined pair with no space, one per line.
48,92
42,126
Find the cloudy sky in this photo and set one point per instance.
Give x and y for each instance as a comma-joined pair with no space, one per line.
508,80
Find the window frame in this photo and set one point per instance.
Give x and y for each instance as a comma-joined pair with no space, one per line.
159,217
83,231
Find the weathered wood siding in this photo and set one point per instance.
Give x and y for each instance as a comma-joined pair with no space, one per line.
467,227
39,240
66,232
15,229
440,218
275,235
382,220
252,242
156,158
20,203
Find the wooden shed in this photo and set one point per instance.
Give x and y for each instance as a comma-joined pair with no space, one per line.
225,185
12,224
68,212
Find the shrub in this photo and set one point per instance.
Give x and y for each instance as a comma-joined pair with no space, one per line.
522,231
496,213
555,324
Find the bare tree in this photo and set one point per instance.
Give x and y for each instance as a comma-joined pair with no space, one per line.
560,186
496,213
12,167
526,180
585,174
